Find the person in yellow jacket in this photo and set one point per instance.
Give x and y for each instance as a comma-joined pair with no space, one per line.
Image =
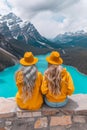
57,83
28,81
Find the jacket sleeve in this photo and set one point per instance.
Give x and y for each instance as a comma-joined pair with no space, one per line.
70,88
19,78
44,86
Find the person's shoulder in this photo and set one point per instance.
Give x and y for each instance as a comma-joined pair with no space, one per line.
64,72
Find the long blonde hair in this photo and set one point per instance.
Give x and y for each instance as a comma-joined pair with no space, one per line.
29,77
53,76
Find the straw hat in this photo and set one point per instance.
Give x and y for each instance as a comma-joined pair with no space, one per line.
54,58
28,59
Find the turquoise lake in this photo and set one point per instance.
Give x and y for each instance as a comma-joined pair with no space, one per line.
7,78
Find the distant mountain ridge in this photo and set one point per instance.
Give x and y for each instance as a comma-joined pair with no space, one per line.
78,38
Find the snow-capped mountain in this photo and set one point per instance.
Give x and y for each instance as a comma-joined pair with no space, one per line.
12,26
70,36
78,38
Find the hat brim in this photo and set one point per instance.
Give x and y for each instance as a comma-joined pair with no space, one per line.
23,62
60,61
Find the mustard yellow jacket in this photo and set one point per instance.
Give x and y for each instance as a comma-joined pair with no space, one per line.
36,101
67,88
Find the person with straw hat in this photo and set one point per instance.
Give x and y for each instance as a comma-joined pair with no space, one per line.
28,81
57,83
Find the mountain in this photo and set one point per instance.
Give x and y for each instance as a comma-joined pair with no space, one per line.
12,26
71,39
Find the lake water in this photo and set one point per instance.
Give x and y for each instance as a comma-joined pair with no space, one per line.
7,81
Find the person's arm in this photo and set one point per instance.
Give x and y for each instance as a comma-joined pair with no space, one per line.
44,86
19,78
70,84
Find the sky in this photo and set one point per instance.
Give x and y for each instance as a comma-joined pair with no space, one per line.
50,17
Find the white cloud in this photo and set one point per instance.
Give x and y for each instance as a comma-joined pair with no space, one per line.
30,8
51,17
47,25
3,7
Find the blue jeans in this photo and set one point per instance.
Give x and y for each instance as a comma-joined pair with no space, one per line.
55,104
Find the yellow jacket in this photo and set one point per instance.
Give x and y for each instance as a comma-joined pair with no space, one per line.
36,101
67,88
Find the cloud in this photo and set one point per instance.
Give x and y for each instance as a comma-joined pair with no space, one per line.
8,4
47,25
32,7
52,17
4,7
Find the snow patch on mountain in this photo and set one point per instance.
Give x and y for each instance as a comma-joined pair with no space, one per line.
42,43
70,37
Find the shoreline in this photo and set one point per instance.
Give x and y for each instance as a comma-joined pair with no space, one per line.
76,69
